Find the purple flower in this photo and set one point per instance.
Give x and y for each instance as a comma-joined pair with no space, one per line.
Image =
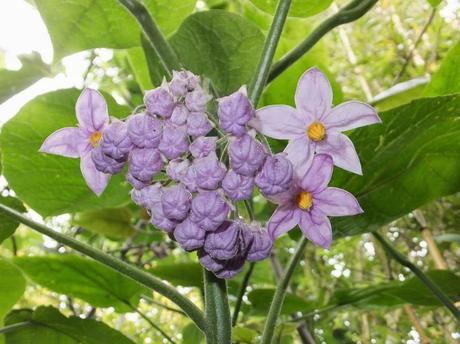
209,172
78,142
183,82
231,268
189,235
209,210
144,163
314,126
160,221
177,169
145,130
180,114
210,263
198,124
310,202
261,243
235,111
105,163
174,141
203,146
136,183
197,99
176,201
159,102
147,197
190,179
276,175
246,155
116,143
224,242
237,187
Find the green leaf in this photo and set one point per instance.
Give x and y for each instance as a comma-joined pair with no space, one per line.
51,184
161,11
447,237
82,278
447,79
12,286
221,46
299,8
191,334
244,335
139,65
113,222
400,94
49,326
12,82
409,160
7,224
434,3
292,303
188,274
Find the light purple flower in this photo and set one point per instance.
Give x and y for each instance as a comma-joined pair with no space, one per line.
235,111
224,242
182,82
176,201
145,130
144,163
310,202
198,124
147,197
276,175
203,146
105,163
177,169
261,243
174,141
246,155
314,126
209,172
180,114
189,235
115,142
78,142
159,220
197,99
237,187
209,210
210,263
189,179
159,102
136,183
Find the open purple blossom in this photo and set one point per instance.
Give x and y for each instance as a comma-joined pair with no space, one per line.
145,130
209,172
237,187
235,111
209,210
276,175
310,202
246,155
314,126
189,235
159,101
78,142
144,163
203,146
176,201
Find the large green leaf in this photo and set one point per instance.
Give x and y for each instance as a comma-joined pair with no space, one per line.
82,278
51,184
49,326
299,8
12,286
183,274
221,46
409,160
260,303
7,224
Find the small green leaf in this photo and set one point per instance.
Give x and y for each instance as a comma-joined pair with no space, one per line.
292,303
191,334
7,224
244,335
299,8
12,286
182,274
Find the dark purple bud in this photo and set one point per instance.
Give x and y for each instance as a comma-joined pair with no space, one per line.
160,221
234,112
210,263
180,114
198,124
159,102
197,99
231,268
237,187
183,82
177,169
116,143
174,141
144,163
176,201
136,183
144,130
246,155
189,235
224,242
104,163
147,197
209,172
261,245
203,146
209,210
276,175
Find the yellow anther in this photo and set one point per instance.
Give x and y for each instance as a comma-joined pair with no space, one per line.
316,131
305,200
95,138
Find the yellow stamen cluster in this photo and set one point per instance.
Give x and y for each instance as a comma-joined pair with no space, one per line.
316,131
95,138
305,200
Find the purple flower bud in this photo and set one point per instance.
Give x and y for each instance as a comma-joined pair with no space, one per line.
210,263
231,268
190,179
261,245
198,124
177,169
237,187
203,146
223,243
209,210
116,142
145,130
147,197
159,102
209,172
180,114
276,175
197,99
104,163
183,82
235,111
189,235
174,141
144,163
160,221
136,183
246,155
176,201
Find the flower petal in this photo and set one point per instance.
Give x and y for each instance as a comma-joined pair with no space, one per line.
351,115
342,150
300,152
318,175
68,142
283,219
96,181
337,202
313,96
92,113
317,228
279,121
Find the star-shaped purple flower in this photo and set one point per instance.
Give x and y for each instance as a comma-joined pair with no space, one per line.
78,142
310,202
314,126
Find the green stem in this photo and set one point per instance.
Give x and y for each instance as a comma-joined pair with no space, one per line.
443,298
158,41
140,276
244,286
217,311
14,327
353,11
271,42
280,293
